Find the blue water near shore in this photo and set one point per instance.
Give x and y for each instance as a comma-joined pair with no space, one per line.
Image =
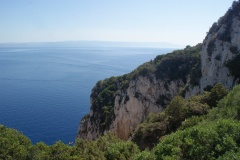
45,90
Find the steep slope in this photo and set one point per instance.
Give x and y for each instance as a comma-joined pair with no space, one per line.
220,54
214,136
221,45
119,104
157,125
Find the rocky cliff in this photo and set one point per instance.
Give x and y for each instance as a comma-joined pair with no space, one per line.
221,45
220,53
119,104
132,106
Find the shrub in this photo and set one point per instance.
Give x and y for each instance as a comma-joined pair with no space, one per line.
84,149
121,151
211,47
13,144
177,109
228,107
60,151
195,74
190,122
160,124
41,151
144,155
204,141
216,94
230,155
233,66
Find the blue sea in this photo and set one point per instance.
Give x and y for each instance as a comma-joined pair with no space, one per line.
45,90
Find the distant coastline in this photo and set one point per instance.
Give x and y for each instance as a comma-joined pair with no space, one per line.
94,44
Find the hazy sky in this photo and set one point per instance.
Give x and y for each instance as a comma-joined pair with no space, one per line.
179,22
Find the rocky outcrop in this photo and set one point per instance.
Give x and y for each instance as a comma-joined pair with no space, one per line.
221,45
144,96
217,52
147,89
152,90
132,106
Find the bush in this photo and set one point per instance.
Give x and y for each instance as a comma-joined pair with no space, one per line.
60,151
233,66
121,151
190,122
177,110
216,135
211,47
228,107
13,144
160,124
204,141
230,155
85,149
195,74
144,156
216,94
41,151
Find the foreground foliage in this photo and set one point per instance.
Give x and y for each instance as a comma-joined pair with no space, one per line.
216,136
201,132
13,145
205,141
160,124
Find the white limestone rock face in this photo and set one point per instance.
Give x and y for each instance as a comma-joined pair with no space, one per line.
143,96
216,52
235,35
214,60
88,129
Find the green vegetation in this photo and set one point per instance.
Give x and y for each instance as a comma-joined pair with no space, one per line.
216,94
233,66
184,61
122,151
187,129
103,95
202,127
226,21
160,124
204,141
186,64
13,145
226,36
211,47
216,136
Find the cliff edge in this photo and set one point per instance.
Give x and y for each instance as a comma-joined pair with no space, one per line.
119,104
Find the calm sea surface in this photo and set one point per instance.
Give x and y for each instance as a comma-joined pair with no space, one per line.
45,91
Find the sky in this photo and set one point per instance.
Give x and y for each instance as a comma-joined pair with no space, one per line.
180,22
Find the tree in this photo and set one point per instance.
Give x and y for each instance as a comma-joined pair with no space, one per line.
217,93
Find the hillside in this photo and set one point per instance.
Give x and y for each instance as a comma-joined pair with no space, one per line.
201,132
182,105
120,104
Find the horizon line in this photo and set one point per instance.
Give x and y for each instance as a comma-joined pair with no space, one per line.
155,43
